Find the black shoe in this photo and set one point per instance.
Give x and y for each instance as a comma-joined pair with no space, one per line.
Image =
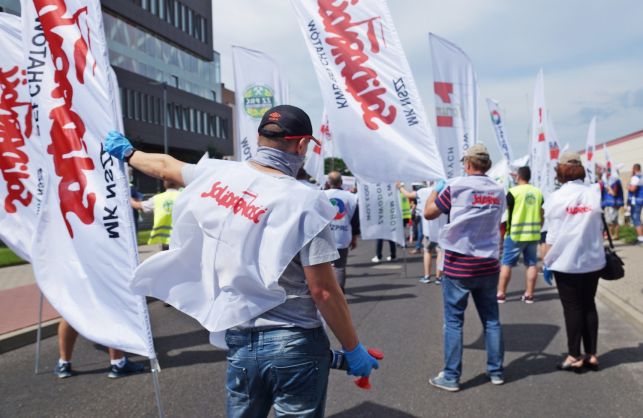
568,367
128,368
63,370
594,367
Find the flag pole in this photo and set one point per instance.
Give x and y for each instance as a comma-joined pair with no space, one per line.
406,276
39,334
156,369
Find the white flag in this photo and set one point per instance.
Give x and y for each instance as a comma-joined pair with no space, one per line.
21,162
85,252
380,215
553,154
316,153
499,127
539,151
456,95
590,162
373,106
259,85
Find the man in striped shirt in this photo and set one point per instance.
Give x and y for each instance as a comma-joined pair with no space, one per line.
474,204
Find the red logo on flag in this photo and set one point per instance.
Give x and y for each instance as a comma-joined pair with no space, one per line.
68,129
348,50
444,115
13,160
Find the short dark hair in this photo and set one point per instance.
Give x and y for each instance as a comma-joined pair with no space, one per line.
524,173
637,166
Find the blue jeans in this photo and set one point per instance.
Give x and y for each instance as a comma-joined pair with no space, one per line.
282,367
456,296
636,215
512,250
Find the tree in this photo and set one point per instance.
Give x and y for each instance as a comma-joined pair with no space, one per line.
337,164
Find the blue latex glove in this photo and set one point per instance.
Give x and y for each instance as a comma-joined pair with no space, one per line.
117,145
548,276
360,363
440,185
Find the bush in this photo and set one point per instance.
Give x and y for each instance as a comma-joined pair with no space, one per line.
627,234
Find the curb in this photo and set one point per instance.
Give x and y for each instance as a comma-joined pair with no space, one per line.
624,309
25,336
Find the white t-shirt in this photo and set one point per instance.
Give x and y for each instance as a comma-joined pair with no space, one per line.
299,309
575,233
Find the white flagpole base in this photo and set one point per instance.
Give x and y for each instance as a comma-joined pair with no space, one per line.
156,369
406,275
39,335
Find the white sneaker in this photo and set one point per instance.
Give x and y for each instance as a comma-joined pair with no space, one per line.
376,259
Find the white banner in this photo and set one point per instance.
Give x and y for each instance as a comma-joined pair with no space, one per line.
380,216
590,161
258,86
456,95
85,252
499,127
539,158
21,162
316,154
373,106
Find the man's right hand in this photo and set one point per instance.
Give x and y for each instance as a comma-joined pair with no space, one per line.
360,363
117,145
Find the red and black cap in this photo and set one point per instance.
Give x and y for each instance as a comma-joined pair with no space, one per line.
294,123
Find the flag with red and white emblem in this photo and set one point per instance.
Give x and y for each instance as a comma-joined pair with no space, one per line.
22,184
85,252
374,108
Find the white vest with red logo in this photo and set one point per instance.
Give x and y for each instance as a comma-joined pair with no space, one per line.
235,230
345,204
575,233
477,204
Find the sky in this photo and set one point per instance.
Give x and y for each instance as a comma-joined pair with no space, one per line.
591,53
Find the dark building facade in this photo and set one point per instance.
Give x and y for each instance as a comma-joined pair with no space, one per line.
168,73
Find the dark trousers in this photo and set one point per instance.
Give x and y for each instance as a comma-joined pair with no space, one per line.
577,292
378,248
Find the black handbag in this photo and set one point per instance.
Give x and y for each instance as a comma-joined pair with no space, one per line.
613,269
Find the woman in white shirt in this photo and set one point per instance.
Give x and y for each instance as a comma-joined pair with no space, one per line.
576,257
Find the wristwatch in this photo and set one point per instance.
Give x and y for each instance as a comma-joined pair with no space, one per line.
128,154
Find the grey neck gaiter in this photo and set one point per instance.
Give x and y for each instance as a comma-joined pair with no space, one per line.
285,162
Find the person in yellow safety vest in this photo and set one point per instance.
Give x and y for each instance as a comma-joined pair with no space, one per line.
162,205
405,206
524,221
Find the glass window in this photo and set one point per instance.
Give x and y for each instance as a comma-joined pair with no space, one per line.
190,22
153,6
177,14
145,4
137,105
130,104
161,9
121,93
204,33
169,115
144,107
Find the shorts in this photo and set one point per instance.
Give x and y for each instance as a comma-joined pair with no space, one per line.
636,215
512,251
611,215
430,246
543,237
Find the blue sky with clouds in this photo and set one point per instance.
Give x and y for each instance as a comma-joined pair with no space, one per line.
591,53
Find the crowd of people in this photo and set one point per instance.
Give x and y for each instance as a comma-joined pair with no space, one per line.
458,221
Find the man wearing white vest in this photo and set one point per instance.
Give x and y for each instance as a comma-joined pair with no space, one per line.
250,259
345,224
471,239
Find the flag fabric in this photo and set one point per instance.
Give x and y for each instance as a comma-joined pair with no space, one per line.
316,154
380,215
456,95
373,105
259,85
610,171
22,185
539,159
85,252
590,161
497,120
552,161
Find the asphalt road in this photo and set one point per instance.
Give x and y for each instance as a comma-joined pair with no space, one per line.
391,312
